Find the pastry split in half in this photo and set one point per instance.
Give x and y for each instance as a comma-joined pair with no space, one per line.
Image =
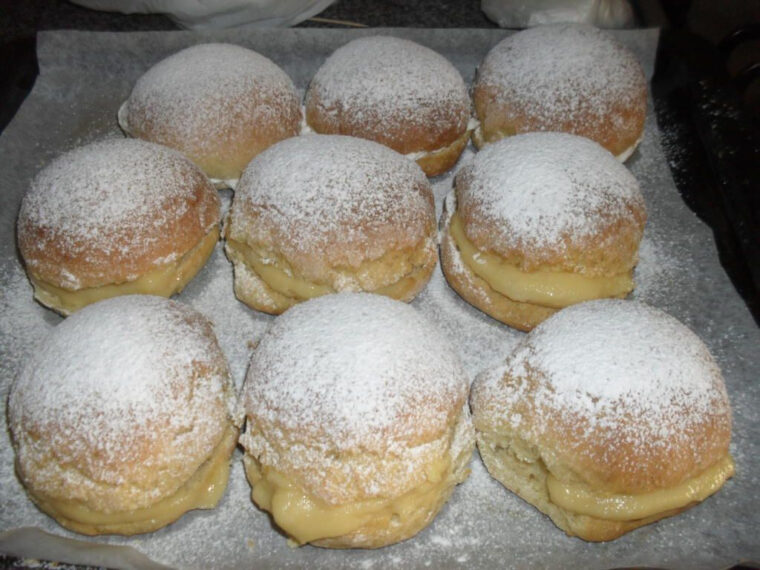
358,427
538,222
123,420
608,416
116,217
320,214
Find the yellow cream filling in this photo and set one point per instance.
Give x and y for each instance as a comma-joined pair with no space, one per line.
580,499
306,518
280,277
479,138
202,491
422,157
164,281
554,289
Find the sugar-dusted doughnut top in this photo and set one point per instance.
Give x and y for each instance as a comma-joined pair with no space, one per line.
621,392
355,373
220,104
121,403
329,200
563,77
541,196
390,90
109,211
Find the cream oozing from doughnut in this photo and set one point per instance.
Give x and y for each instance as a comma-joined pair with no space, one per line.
546,219
395,92
357,425
220,104
565,77
325,213
123,419
609,415
115,215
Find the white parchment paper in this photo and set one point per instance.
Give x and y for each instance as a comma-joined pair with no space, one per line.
84,78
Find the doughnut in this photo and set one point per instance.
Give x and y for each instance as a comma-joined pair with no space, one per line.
122,419
540,221
570,78
608,416
357,423
395,92
325,213
219,104
113,218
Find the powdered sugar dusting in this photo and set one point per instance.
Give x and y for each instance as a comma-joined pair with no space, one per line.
379,84
364,371
564,73
198,95
109,379
313,189
114,198
608,360
545,190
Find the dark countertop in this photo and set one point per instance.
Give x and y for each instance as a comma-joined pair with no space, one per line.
21,19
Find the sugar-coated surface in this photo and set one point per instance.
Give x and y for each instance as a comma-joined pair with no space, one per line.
563,72
112,199
199,93
608,360
124,385
545,191
329,191
483,526
382,83
360,371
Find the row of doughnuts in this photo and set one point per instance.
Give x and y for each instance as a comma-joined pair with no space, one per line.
608,416
536,222
221,105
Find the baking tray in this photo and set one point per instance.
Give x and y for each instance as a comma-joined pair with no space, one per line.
84,77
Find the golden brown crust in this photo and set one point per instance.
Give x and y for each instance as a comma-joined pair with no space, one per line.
321,213
360,405
93,445
606,398
610,249
219,104
48,257
403,137
608,404
202,490
579,448
247,135
563,78
418,105
334,246
499,118
553,208
76,257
